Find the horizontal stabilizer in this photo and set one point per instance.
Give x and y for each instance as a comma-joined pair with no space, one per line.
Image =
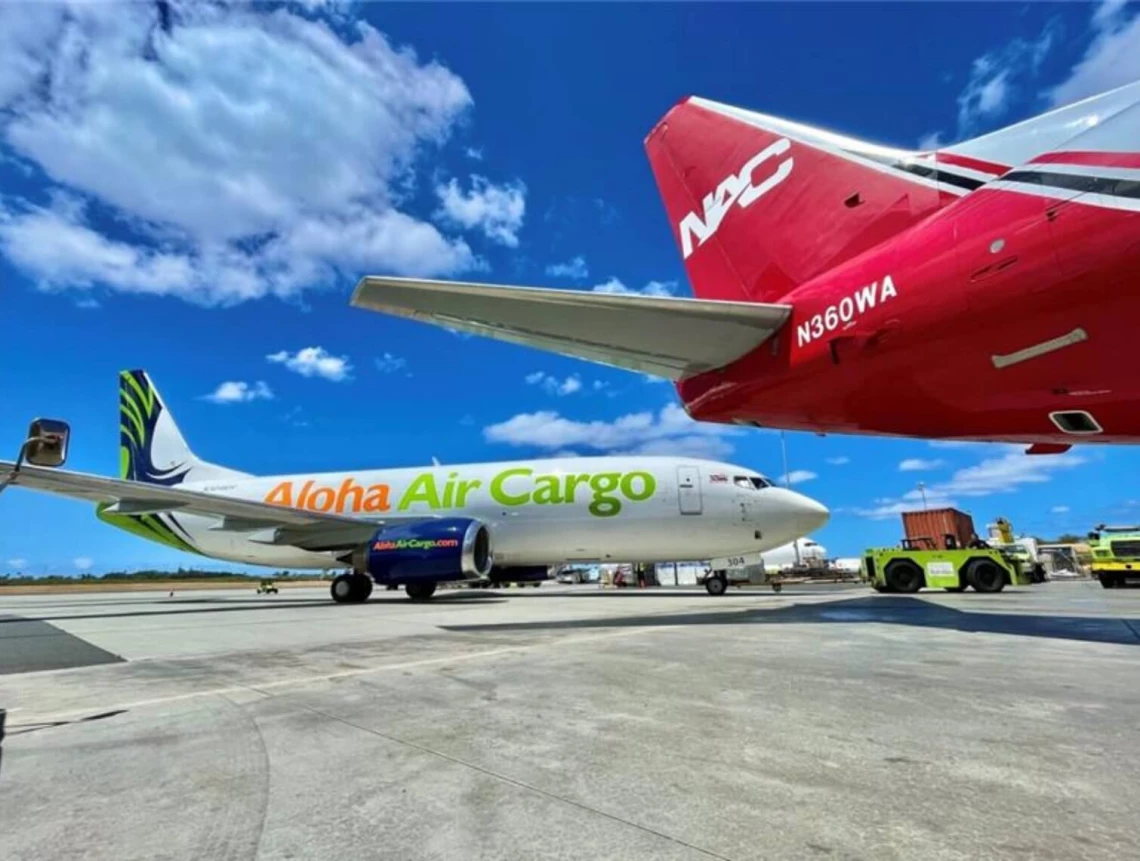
662,336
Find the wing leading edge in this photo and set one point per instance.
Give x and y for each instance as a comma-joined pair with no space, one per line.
661,336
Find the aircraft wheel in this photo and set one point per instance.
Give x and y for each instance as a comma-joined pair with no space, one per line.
903,575
985,575
420,591
362,584
716,584
342,588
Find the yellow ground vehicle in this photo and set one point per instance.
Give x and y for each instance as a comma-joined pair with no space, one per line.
1115,555
910,568
941,551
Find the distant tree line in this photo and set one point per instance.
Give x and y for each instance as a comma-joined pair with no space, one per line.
1066,538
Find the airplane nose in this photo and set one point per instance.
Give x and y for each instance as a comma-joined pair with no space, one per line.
809,514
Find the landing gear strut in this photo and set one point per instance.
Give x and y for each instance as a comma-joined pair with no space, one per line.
351,588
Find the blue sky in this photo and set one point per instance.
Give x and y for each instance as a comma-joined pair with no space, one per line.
195,189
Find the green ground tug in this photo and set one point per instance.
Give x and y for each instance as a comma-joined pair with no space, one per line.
952,559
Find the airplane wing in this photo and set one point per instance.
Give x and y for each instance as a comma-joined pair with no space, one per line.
309,530
661,336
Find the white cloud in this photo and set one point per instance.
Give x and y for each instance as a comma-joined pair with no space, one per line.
670,431
314,362
575,268
839,461
474,153
1111,59
798,476
1059,509
496,210
997,77
553,385
17,564
931,141
240,392
702,446
389,364
295,418
917,464
953,443
651,288
83,563
1006,472
204,169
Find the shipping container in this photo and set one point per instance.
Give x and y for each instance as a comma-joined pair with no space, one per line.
933,525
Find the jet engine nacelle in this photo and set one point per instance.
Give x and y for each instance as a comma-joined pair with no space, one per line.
450,548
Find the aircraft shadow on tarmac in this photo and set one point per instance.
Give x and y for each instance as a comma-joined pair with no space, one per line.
224,605
889,610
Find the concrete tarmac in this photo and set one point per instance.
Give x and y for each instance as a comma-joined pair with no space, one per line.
568,722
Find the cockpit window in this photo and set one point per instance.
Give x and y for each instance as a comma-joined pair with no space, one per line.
751,482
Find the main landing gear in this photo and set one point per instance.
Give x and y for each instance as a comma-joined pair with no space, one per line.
356,587
351,588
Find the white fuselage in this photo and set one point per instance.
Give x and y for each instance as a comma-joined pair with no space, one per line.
539,512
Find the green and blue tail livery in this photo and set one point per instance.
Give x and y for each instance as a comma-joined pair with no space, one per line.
152,450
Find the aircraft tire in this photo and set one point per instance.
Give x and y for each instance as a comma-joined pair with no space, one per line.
903,575
419,591
341,589
716,584
363,587
985,575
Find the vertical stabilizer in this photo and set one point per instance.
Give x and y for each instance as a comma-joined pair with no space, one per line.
760,205
151,448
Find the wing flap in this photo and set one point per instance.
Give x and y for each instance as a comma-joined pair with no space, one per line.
662,336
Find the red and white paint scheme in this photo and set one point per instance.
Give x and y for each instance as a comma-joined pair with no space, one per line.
985,291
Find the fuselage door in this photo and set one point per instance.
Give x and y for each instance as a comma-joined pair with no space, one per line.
689,489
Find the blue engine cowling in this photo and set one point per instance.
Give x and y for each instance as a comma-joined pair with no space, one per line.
450,548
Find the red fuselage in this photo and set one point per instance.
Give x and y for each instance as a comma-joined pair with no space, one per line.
946,350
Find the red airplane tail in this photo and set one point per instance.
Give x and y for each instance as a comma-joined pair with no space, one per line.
760,205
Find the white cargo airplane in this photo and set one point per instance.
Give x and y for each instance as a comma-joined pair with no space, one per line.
417,527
